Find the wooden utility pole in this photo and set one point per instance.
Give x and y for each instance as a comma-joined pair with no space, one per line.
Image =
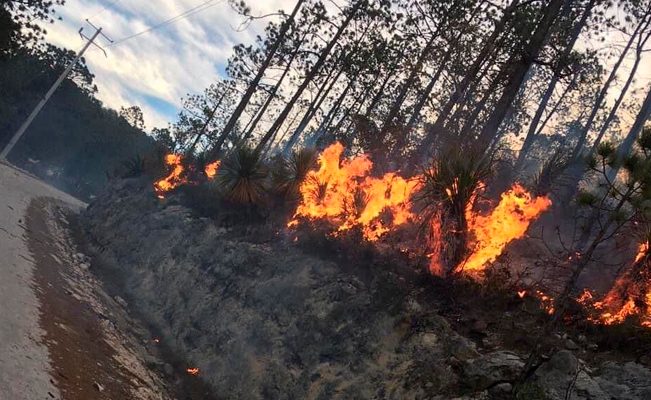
46,97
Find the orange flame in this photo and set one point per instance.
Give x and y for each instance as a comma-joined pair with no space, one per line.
175,177
344,193
629,296
193,371
211,169
643,251
507,222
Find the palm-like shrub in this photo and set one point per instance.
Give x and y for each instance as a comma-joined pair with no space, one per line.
450,186
289,173
242,176
550,171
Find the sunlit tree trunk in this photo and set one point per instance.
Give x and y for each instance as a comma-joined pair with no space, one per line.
310,76
533,126
519,71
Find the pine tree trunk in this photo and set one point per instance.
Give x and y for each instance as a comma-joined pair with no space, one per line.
533,126
578,149
470,75
310,76
622,93
519,71
253,86
274,91
626,147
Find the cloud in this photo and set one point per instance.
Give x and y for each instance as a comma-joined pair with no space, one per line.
156,69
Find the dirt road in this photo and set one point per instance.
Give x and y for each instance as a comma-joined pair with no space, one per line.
61,335
25,371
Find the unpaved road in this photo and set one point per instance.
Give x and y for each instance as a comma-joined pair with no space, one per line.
61,335
25,371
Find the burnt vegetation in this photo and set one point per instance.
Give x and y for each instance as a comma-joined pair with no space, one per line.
471,150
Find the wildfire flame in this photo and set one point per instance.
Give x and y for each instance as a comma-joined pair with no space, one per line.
175,177
642,251
508,221
629,296
344,193
193,371
211,169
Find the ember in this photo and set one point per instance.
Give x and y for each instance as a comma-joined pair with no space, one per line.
193,371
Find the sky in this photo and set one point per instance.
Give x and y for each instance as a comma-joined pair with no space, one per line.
156,69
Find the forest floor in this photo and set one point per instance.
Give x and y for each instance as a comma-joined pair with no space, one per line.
61,336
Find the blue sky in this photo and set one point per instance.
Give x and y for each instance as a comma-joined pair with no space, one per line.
156,69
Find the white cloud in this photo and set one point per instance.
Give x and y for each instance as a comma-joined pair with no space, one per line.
165,64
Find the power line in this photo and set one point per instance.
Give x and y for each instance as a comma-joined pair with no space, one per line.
194,10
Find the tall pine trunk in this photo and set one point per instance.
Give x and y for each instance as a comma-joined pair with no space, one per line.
253,85
601,96
310,76
519,71
533,127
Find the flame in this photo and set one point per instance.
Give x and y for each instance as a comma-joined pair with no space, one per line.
642,252
344,193
507,222
522,293
193,371
629,296
211,169
175,177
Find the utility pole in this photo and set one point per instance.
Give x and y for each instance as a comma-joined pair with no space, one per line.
46,97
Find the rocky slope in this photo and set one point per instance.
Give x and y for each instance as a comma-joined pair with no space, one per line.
264,320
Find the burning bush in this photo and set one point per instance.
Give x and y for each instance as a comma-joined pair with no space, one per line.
450,188
344,193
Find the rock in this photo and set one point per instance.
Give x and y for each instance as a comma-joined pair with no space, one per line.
625,381
501,391
120,301
485,371
461,348
429,339
570,345
564,371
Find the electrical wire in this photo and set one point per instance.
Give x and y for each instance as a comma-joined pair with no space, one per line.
192,11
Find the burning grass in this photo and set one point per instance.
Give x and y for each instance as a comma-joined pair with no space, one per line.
347,200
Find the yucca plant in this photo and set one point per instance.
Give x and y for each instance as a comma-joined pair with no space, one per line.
550,171
289,173
242,177
450,186
133,167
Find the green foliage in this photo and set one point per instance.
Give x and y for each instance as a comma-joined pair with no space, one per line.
585,198
288,173
242,177
75,141
550,171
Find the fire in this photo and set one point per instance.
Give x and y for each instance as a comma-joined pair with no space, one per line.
522,293
507,222
193,371
211,169
642,251
175,177
344,193
629,296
